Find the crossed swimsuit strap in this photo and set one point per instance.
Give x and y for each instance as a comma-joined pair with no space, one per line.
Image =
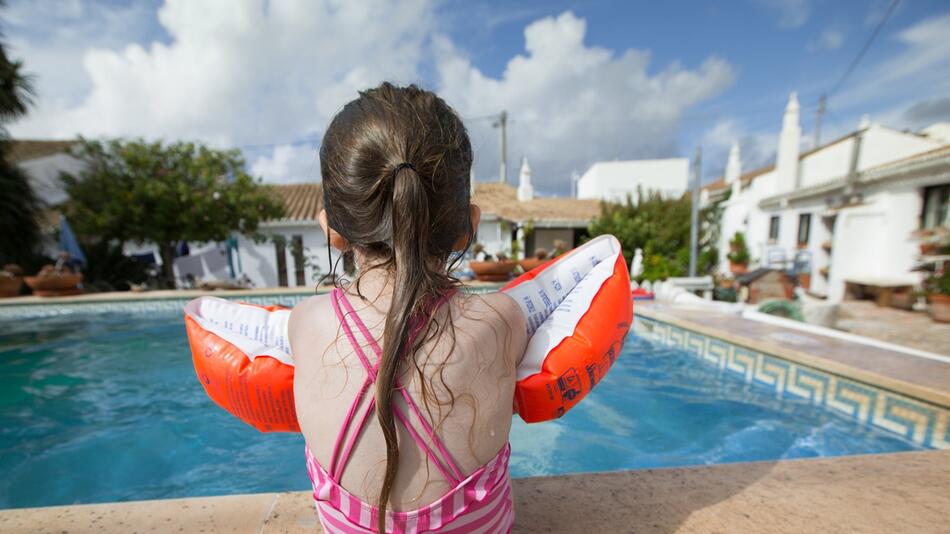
338,461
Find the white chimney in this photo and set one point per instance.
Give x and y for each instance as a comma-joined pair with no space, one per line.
525,189
786,164
865,122
734,169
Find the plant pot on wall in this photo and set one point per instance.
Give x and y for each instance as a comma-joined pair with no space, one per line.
493,271
530,263
55,285
939,307
10,286
804,280
738,268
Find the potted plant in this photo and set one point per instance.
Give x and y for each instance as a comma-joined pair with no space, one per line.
540,256
11,279
489,269
50,282
938,295
738,254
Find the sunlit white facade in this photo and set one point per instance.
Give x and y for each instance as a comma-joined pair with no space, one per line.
846,211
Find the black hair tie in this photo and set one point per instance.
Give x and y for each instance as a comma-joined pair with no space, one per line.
403,165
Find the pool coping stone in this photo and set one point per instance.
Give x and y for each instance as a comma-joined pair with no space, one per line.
900,492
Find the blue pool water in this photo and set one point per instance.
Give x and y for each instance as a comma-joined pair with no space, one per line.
106,407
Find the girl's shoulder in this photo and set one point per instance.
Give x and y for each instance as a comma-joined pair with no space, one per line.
498,313
303,327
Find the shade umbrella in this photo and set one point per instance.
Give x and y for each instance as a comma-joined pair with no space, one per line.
69,243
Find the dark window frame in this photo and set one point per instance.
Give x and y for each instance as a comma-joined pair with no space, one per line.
941,195
804,222
280,250
300,261
774,228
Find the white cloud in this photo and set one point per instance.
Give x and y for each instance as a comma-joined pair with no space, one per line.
757,148
288,164
242,72
792,13
917,71
571,104
829,39
252,72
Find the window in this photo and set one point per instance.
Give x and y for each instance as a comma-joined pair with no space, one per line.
804,229
300,263
280,251
773,228
936,207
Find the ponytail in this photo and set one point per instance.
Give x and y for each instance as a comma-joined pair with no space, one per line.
410,235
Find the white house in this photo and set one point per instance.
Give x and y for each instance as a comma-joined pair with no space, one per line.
510,214
614,180
846,211
294,252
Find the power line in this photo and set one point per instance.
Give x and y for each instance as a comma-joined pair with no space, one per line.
864,49
823,100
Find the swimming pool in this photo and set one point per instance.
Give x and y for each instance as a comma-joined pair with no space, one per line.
105,407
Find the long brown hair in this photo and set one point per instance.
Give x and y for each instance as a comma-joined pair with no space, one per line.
395,165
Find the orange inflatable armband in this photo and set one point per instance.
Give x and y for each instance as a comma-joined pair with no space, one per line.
577,307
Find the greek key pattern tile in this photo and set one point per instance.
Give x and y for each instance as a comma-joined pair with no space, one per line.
926,424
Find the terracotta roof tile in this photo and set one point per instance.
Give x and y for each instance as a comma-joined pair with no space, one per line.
502,200
302,202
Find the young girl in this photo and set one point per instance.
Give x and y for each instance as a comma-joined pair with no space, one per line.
404,384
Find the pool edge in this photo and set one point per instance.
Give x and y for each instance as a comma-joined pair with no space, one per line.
869,493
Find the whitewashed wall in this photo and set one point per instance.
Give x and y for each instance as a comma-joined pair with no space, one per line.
494,234
613,180
258,260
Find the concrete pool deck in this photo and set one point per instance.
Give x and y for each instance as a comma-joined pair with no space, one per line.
918,377
902,492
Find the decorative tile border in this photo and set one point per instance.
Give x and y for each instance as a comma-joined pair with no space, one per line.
923,423
154,305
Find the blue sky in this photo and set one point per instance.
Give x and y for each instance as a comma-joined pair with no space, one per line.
595,80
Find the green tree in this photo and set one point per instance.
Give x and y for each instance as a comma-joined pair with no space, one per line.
164,193
19,206
660,227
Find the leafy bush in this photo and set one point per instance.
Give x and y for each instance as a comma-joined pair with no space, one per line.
660,227
109,269
938,284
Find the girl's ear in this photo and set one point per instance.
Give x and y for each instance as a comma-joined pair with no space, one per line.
335,239
476,214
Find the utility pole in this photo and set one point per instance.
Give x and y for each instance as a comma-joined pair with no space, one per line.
818,116
694,215
502,123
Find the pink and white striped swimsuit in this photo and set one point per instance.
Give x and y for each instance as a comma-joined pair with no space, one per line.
478,503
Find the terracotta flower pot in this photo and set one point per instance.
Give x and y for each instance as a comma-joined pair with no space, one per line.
493,271
804,280
10,286
738,268
55,285
530,263
939,308
930,248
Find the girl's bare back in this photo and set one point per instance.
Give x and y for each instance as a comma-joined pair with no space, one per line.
468,383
